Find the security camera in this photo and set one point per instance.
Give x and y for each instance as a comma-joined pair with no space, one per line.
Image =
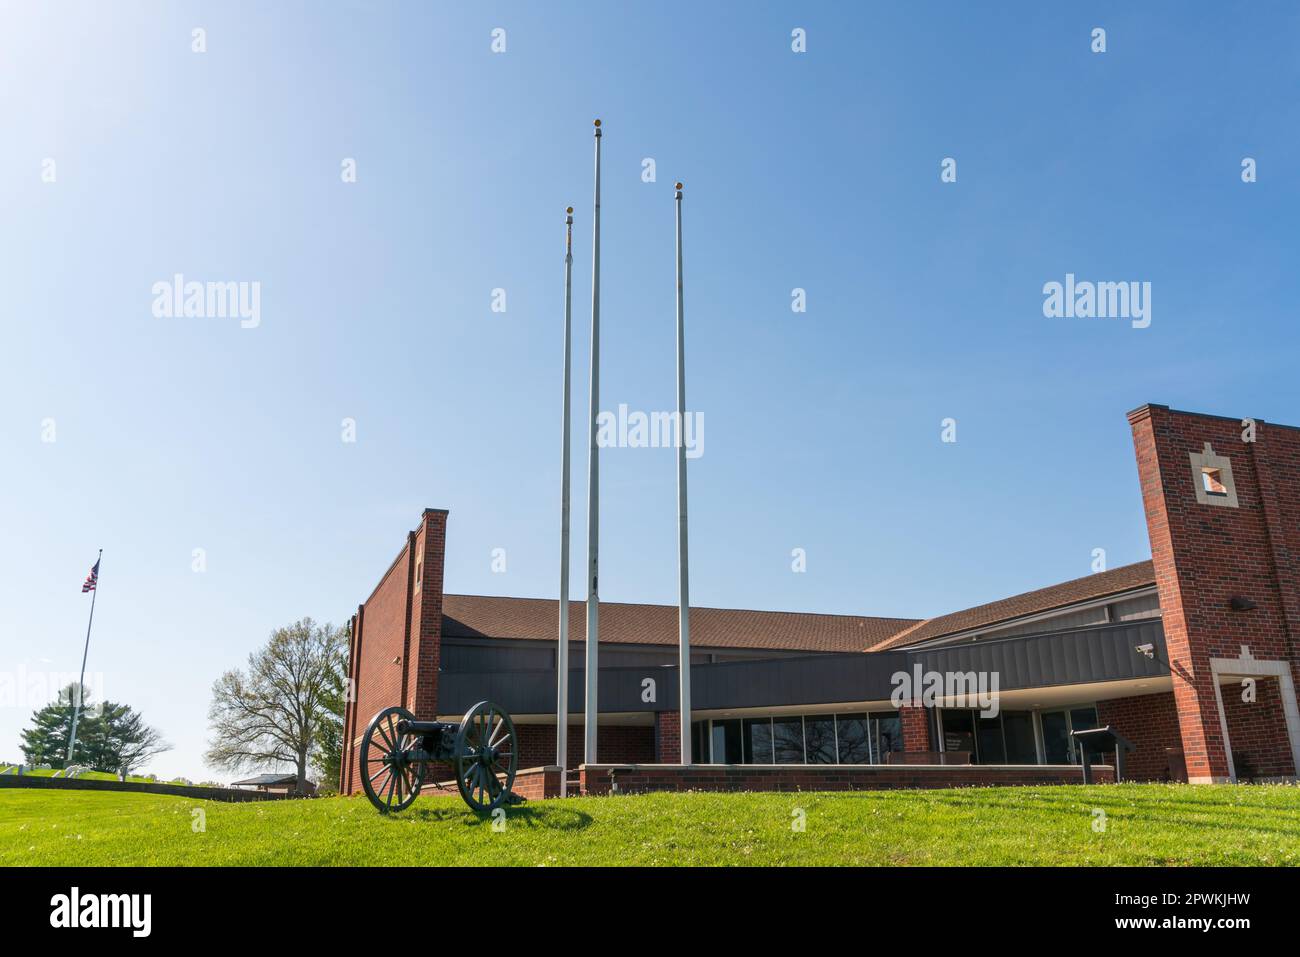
1148,649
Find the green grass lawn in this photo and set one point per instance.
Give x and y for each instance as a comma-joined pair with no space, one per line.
1145,824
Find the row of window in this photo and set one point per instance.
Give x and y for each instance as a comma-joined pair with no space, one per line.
859,738
1010,737
1015,737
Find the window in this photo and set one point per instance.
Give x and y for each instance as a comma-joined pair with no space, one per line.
1212,475
699,742
758,741
1057,746
851,730
958,731
1018,732
819,739
787,740
726,742
886,735
992,750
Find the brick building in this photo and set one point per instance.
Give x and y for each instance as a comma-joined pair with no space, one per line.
1193,655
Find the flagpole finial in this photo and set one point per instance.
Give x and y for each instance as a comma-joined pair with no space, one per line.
597,126
679,191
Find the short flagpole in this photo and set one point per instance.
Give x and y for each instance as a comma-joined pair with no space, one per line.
562,649
683,573
593,487
81,682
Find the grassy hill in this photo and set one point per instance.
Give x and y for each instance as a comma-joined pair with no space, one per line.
93,776
1145,824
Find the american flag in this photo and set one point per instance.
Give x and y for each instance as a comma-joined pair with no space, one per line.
91,579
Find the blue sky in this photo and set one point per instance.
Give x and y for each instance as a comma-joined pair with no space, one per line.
817,170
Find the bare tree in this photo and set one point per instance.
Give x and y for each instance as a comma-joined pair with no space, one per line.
273,714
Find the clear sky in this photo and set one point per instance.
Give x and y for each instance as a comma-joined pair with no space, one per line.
817,170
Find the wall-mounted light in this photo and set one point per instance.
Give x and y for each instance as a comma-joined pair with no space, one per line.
1242,603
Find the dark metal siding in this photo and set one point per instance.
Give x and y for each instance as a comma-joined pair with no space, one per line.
1083,656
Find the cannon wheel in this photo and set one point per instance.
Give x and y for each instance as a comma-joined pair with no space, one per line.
389,780
487,756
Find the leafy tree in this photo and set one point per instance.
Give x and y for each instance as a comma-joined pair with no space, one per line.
119,740
277,712
327,759
111,737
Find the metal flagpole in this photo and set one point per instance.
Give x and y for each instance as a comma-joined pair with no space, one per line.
683,574
81,682
593,485
562,650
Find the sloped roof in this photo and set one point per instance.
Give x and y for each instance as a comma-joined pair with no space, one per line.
1099,585
482,616
265,779
479,616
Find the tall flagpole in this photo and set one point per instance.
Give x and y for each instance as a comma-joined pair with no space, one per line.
81,682
562,650
683,573
593,485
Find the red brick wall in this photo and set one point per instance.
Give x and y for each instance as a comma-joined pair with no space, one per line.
620,744
1150,722
916,727
537,783
426,615
668,737
1257,731
1206,554
825,777
397,640
380,652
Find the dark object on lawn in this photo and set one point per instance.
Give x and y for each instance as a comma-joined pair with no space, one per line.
482,751
1099,741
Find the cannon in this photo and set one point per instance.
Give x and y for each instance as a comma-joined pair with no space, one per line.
482,751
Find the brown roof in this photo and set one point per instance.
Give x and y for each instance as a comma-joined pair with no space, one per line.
481,616
634,624
1098,585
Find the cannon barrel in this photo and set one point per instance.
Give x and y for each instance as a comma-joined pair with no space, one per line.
425,727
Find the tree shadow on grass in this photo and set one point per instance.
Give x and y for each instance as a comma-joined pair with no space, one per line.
1175,812
547,819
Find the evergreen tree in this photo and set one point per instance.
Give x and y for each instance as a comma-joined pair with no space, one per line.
46,742
112,737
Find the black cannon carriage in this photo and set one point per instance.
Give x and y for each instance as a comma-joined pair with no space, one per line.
482,751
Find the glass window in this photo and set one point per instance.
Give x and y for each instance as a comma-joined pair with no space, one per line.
819,739
991,748
1081,719
758,741
1018,730
700,742
958,731
887,735
787,740
726,742
1056,737
852,732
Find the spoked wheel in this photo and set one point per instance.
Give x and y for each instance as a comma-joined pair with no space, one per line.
389,779
486,756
